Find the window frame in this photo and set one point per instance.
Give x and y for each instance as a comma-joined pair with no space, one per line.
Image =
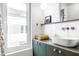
29,40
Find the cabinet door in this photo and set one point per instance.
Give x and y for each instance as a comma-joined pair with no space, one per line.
62,52
42,49
69,53
51,51
35,48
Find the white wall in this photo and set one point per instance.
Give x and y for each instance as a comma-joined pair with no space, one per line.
53,29
36,17
53,10
49,29
73,11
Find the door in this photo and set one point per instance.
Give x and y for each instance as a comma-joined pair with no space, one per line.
42,49
35,48
39,49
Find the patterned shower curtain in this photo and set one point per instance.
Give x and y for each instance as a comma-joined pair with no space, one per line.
2,44
2,18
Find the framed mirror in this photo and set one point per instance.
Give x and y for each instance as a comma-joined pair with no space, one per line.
69,11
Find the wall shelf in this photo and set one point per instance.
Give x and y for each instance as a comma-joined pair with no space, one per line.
62,22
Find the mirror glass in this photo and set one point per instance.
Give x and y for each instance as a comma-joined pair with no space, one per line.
69,11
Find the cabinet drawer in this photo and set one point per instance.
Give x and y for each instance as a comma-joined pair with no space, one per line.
51,51
62,52
55,51
69,53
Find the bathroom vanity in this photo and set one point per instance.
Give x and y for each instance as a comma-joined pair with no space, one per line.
48,48
67,30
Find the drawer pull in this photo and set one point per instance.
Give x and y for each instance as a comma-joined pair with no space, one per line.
59,51
54,49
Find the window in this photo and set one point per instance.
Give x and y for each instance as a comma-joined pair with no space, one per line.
17,25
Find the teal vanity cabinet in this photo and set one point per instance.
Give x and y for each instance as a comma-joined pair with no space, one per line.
39,49
43,49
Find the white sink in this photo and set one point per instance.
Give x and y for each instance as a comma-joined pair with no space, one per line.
68,42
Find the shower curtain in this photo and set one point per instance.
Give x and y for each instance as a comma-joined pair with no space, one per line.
2,27
2,44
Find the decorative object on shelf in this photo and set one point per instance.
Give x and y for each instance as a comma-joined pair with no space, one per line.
41,37
48,19
62,15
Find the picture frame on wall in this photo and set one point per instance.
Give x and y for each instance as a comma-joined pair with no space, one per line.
48,19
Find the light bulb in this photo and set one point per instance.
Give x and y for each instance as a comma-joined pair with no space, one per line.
43,6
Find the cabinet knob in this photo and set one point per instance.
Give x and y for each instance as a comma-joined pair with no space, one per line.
54,49
59,51
39,43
